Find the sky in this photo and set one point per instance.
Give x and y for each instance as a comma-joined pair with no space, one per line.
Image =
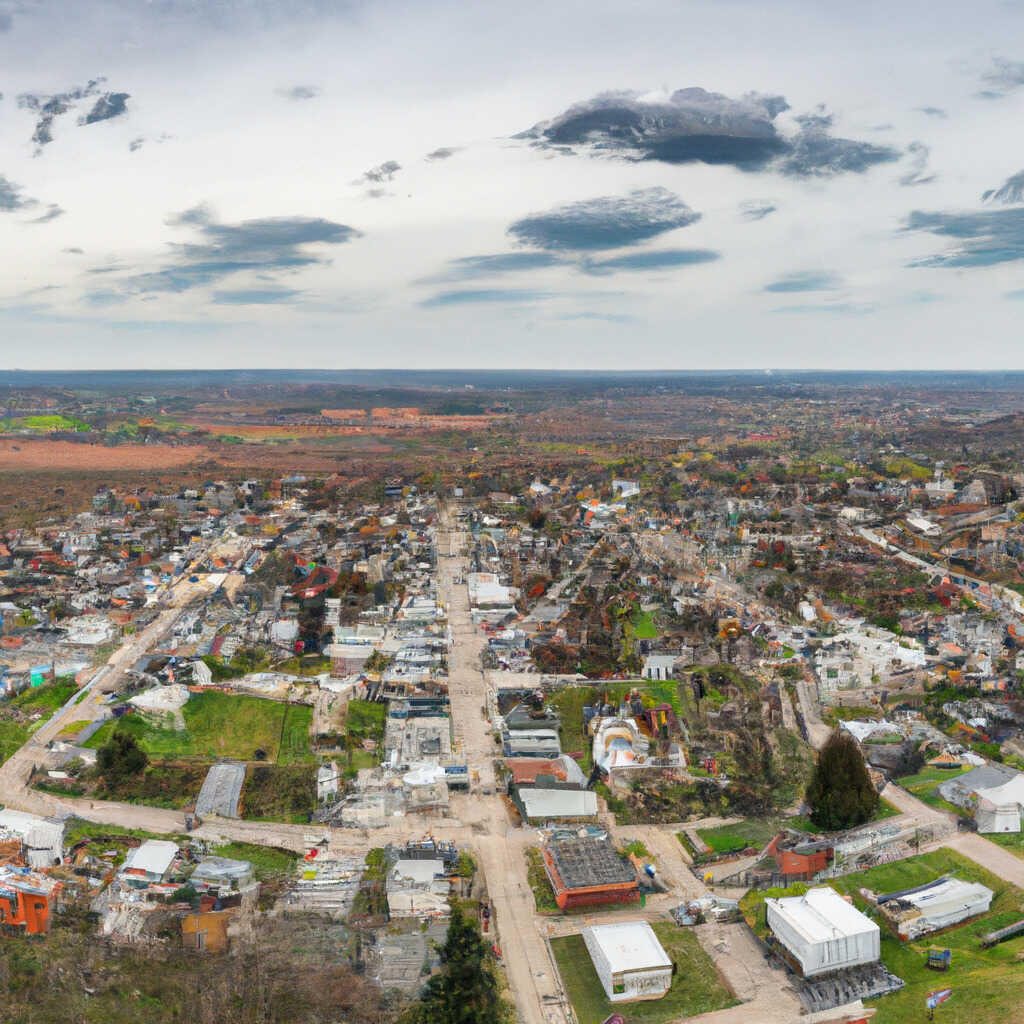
589,185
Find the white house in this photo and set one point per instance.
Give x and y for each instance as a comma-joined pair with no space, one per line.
659,666
821,932
149,862
999,808
629,961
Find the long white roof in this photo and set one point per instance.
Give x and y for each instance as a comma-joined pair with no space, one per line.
821,915
155,856
630,946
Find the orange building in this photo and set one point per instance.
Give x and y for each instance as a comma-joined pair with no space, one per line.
587,872
27,900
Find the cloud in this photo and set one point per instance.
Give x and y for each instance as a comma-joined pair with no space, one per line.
933,112
11,197
611,318
917,172
107,107
52,213
49,107
442,154
985,238
6,21
608,222
1009,193
658,259
805,281
268,246
694,125
1016,295
475,296
74,250
493,265
136,144
756,209
840,308
300,92
1002,77
255,296
381,173
813,152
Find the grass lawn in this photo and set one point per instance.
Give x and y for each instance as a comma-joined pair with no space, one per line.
306,665
73,728
267,861
696,987
543,894
988,985
365,720
78,828
1012,841
46,698
220,725
643,626
925,786
726,838
12,737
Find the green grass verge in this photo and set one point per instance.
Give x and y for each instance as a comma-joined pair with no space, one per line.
696,987
12,737
220,725
46,698
988,985
267,861
543,894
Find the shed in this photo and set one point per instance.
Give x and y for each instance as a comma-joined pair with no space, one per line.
820,932
629,960
151,861
556,804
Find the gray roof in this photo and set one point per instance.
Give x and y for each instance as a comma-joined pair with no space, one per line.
585,862
958,790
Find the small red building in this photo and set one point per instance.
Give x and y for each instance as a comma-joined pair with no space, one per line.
27,900
587,872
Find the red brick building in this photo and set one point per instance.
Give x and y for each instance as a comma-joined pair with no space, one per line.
588,872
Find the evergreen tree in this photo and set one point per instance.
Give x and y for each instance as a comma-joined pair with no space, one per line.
120,758
465,991
841,794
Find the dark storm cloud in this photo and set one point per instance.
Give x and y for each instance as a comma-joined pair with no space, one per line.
477,296
694,125
663,259
607,222
917,172
300,92
1009,193
108,106
756,209
255,296
381,173
442,154
11,197
52,213
493,265
983,239
267,245
933,112
804,281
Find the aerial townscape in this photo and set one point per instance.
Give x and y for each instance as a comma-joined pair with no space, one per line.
681,698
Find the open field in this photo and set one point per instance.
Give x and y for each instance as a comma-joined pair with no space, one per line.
988,985
46,698
221,725
279,794
696,987
267,861
925,786
28,453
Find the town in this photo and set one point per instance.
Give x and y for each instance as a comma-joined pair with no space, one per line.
719,726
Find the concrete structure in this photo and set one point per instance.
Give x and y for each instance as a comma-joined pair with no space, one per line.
999,808
221,790
629,960
586,872
820,932
42,839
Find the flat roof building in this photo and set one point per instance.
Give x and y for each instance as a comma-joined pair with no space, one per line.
820,932
629,961
588,871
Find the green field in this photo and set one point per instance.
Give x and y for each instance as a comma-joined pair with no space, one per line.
12,737
279,794
643,626
267,861
925,786
44,424
161,785
46,698
696,987
988,985
727,838
221,725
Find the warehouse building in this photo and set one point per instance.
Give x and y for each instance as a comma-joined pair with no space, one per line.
820,932
589,871
629,961
939,904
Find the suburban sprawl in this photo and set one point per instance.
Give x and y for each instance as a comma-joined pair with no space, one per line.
632,706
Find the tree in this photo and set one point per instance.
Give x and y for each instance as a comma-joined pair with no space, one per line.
120,758
465,990
841,794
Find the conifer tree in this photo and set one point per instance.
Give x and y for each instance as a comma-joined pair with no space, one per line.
841,794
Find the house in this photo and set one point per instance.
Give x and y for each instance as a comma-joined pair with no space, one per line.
659,666
222,875
588,871
27,899
42,839
820,932
629,961
999,808
149,863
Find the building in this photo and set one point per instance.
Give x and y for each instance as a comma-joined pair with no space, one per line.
585,872
418,888
27,900
939,904
999,808
629,961
149,863
820,932
555,804
42,839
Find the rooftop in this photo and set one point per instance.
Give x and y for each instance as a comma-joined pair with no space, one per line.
821,915
581,863
629,946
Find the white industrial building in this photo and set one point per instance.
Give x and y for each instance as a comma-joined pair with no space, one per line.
944,902
629,961
999,808
821,932
42,839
